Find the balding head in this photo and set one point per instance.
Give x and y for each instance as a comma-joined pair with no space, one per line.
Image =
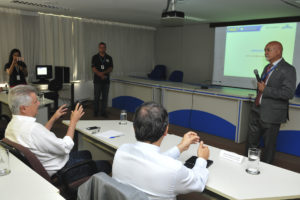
150,122
273,51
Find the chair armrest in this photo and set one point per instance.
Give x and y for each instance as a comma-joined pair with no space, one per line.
5,117
65,175
90,163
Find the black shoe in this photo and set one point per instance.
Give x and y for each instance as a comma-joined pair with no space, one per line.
104,115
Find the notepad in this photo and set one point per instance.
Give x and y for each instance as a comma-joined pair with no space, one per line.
110,134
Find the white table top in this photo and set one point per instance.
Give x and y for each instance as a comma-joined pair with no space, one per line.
23,183
4,99
226,178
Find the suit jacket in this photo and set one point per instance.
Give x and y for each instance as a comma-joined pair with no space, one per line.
101,186
279,89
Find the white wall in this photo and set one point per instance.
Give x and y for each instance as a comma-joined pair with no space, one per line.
68,41
189,49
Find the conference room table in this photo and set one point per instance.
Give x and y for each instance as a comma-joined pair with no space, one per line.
23,183
226,178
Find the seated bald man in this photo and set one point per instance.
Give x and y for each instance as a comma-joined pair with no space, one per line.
53,153
159,175
272,101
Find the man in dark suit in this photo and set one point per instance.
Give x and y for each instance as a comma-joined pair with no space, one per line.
272,102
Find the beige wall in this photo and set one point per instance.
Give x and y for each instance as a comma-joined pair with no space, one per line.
189,49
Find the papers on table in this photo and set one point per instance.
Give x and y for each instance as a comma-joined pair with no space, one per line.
110,134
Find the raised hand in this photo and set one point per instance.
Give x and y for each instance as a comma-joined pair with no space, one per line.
77,113
62,110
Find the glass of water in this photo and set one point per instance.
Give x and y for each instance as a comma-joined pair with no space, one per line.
4,162
253,161
123,117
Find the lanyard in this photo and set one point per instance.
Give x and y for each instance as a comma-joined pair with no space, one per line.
17,69
102,60
266,74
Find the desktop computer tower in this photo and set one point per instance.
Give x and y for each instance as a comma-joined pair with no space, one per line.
62,74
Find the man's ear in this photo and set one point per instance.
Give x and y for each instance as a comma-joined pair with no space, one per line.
22,109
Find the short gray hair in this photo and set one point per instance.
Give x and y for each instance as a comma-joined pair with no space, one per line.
20,96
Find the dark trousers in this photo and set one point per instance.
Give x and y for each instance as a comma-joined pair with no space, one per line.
259,129
83,171
100,89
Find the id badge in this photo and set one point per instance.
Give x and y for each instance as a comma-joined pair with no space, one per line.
18,78
102,67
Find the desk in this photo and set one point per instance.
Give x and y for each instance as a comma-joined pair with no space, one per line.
220,111
226,178
23,183
43,113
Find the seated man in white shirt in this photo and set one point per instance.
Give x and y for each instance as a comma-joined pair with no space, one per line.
53,153
159,175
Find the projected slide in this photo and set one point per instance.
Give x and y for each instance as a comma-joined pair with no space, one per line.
244,50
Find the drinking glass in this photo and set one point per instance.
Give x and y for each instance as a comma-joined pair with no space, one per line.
253,161
123,117
4,162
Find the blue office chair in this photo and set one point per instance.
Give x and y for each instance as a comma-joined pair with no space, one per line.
158,73
176,76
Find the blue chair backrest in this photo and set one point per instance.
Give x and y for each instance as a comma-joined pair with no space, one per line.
158,73
176,76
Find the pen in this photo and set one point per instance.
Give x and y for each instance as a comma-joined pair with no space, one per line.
114,137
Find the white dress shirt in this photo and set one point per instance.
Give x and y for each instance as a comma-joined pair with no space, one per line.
266,82
52,152
159,175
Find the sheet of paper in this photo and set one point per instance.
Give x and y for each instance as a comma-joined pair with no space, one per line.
110,134
231,156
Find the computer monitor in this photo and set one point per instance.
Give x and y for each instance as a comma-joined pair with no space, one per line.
43,72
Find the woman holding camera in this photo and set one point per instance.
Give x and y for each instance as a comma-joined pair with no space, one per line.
16,68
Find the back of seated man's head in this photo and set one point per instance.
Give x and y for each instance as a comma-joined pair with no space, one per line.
22,100
150,122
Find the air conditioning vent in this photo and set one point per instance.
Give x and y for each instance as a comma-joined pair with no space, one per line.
294,3
41,5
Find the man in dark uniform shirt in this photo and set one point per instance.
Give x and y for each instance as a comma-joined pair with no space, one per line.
102,65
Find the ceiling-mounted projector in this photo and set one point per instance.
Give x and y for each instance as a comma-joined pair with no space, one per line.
172,18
